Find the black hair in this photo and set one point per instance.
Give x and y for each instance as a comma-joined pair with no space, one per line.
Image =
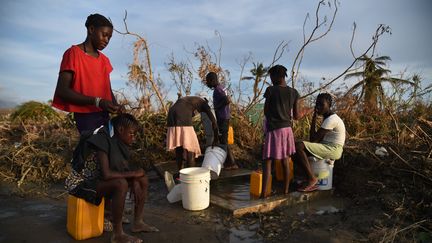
326,96
212,77
125,120
278,71
97,21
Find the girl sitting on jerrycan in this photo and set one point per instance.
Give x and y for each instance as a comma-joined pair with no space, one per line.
105,172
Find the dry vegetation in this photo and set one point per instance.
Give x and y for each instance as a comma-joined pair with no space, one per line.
35,149
36,142
389,197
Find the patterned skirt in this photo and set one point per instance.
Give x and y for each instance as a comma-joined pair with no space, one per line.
279,144
83,184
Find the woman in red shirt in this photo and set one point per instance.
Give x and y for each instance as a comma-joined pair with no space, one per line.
83,85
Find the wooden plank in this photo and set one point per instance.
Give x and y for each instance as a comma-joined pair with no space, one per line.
268,204
234,173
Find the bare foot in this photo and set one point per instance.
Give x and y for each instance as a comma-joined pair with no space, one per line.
143,227
311,186
313,182
124,238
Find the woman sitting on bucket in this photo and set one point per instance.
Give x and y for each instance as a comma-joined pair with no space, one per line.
326,143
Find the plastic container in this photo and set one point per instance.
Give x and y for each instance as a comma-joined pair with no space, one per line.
195,188
175,194
323,170
256,183
84,220
230,135
213,160
279,170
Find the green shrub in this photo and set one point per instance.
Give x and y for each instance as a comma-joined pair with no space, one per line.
35,111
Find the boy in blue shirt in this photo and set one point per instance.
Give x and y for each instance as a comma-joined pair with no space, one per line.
222,110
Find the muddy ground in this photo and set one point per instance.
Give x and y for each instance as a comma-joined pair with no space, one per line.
372,202
43,219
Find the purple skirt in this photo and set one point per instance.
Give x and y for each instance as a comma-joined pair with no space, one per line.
279,144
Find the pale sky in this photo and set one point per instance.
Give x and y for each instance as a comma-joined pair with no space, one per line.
35,35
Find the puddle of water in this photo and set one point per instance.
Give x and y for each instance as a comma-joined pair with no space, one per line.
328,205
9,214
244,234
234,190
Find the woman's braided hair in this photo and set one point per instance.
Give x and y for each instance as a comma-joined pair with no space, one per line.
326,96
97,21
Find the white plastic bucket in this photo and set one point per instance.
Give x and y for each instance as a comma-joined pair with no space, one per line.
213,160
195,188
175,194
323,170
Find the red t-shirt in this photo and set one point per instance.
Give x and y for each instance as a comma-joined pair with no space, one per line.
91,77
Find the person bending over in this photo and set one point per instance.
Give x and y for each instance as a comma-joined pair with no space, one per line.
181,135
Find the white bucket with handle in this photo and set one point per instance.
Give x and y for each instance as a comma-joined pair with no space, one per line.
213,160
195,188
323,170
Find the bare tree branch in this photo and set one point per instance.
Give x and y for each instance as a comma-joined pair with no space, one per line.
381,29
299,57
242,65
217,33
352,40
146,50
